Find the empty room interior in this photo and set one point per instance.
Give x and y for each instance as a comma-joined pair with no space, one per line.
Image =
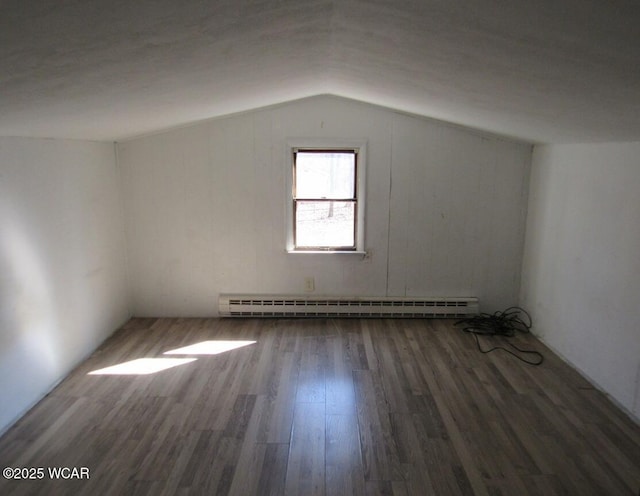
238,239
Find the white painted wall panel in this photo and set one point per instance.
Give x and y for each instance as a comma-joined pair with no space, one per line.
457,213
206,209
581,269
63,285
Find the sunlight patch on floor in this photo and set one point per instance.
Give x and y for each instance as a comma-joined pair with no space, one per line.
209,347
142,366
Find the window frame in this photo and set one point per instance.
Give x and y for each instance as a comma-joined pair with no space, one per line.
358,147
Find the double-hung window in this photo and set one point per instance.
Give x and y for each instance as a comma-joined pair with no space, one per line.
327,199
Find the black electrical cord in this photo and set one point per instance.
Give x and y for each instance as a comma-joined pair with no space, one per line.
505,324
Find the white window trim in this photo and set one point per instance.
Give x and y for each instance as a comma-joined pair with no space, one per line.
331,144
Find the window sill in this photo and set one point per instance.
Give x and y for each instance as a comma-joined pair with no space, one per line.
328,252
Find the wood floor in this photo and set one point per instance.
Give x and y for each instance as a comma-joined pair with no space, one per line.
315,407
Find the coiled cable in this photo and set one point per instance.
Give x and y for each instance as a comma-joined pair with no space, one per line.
505,324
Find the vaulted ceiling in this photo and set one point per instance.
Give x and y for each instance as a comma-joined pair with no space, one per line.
538,70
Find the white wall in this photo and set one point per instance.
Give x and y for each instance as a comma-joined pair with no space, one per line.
206,210
581,269
62,267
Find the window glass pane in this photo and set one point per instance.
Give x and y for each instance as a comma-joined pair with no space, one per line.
325,174
325,224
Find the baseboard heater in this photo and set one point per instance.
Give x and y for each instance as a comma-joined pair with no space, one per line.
253,305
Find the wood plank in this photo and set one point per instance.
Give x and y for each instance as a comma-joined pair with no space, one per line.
379,451
344,472
306,464
340,392
274,470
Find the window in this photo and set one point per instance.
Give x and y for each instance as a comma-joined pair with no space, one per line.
327,200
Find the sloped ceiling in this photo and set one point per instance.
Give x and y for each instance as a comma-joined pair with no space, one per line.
538,70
